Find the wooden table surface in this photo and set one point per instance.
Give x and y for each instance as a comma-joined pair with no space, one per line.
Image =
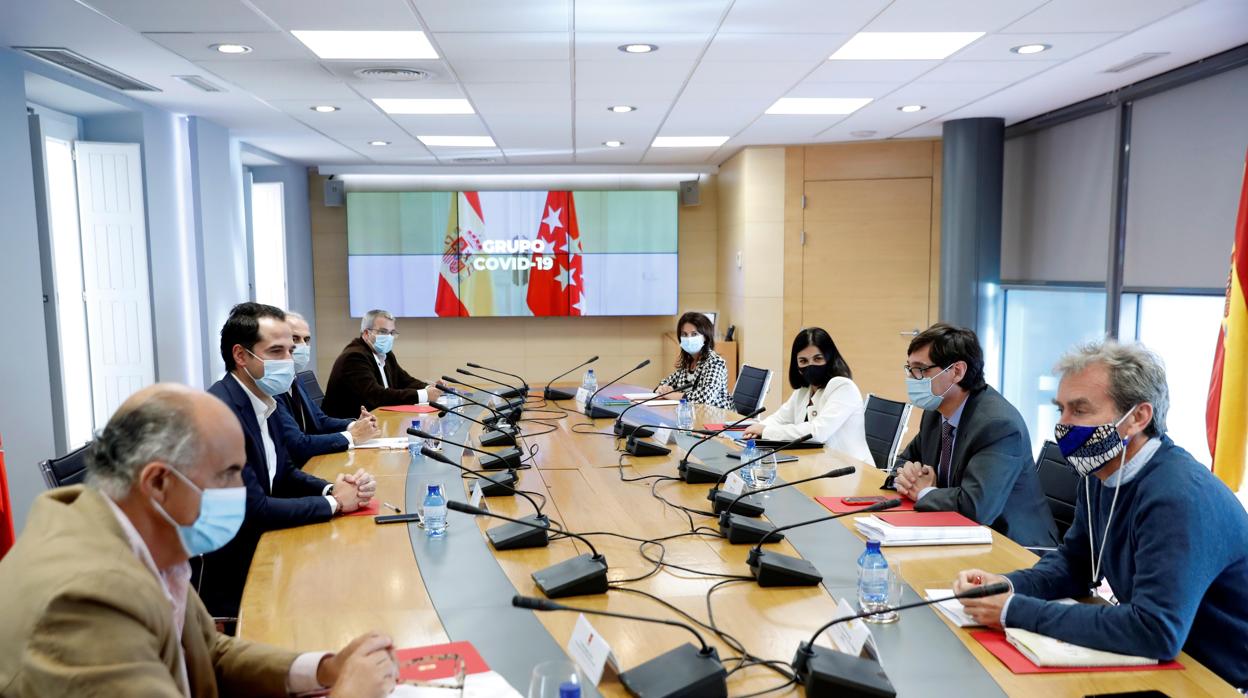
315,587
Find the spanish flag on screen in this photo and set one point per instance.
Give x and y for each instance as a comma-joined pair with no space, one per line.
1226,418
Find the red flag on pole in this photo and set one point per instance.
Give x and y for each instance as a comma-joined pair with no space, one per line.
1226,416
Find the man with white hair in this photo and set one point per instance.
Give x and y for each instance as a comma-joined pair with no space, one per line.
1167,535
366,374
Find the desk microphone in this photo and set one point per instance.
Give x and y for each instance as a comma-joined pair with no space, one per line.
507,404
594,411
773,569
693,473
508,536
524,385
741,528
510,410
826,673
622,429
684,671
507,415
722,499
558,394
501,460
512,391
498,434
583,574
635,446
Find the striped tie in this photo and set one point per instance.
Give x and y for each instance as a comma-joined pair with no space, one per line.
946,454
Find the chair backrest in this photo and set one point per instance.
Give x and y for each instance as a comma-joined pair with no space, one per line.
69,469
307,379
752,386
1060,483
885,422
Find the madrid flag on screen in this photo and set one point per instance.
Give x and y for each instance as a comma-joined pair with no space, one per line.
1226,418
559,290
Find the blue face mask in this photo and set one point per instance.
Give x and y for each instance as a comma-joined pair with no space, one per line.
383,343
278,376
302,355
919,390
1090,448
221,512
692,345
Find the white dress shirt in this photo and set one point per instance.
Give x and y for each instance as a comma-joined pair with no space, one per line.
421,393
831,415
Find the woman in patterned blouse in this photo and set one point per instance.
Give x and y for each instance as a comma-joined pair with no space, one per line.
698,365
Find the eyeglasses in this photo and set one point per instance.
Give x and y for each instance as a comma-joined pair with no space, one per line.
392,333
447,672
917,371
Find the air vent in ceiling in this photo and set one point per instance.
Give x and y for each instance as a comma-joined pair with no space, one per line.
86,67
1134,62
394,74
472,161
198,83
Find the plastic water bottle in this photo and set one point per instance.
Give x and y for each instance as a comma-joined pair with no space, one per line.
450,423
590,384
434,512
684,414
414,442
749,453
872,578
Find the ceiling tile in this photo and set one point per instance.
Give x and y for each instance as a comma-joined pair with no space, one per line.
725,72
502,96
870,71
441,125
723,118
281,79
183,15
800,16
616,72
414,90
874,90
496,15
811,48
775,129
656,16
938,96
634,93
1099,16
353,110
265,46
356,15
606,46
986,71
602,155
951,15
514,71
504,46
996,47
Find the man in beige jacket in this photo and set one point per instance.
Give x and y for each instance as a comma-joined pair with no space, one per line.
96,597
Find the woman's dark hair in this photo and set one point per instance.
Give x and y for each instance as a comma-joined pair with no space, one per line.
819,337
703,325
949,345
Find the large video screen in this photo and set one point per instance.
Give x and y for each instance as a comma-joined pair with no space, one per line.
512,253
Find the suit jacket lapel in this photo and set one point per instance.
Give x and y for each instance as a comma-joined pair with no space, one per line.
957,463
931,445
251,426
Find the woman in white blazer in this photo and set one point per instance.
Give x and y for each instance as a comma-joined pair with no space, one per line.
825,403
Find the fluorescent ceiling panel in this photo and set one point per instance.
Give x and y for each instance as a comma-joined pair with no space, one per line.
818,105
367,45
423,106
903,46
458,141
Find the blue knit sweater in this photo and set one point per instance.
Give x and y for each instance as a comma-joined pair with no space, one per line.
1177,558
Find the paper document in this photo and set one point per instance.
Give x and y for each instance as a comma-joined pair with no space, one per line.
661,403
398,442
951,609
489,684
1047,651
640,396
875,528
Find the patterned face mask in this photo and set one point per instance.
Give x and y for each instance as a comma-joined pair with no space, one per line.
1090,448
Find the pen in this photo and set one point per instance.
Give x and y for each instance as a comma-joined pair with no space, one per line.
391,506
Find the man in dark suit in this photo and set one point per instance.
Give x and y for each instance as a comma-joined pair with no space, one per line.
972,454
367,375
307,430
256,346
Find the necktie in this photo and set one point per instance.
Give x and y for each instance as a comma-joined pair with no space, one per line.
946,454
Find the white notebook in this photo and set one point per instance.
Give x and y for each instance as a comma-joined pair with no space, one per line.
887,534
953,610
1046,651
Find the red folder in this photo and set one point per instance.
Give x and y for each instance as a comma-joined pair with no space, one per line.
412,409
836,506
926,518
994,641
433,670
371,510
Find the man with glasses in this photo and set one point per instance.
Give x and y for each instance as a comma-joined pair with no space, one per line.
972,454
366,375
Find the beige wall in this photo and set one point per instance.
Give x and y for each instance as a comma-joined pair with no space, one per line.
751,258
536,348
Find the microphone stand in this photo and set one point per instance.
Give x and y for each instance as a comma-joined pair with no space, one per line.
558,393
773,569
694,473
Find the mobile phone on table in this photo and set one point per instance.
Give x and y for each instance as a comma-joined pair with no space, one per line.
862,501
410,517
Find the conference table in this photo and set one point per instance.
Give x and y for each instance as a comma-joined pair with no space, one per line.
315,587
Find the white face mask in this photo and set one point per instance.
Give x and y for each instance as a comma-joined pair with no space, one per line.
302,355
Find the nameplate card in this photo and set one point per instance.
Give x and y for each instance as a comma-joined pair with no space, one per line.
852,637
590,651
475,496
734,484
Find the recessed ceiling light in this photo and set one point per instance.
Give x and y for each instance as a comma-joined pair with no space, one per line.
379,143
613,144
423,106
862,134
638,48
324,108
689,141
818,105
621,109
1028,49
458,141
232,49
884,46
911,108
364,45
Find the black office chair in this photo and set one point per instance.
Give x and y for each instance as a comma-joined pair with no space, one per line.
751,388
885,422
1060,484
307,379
69,469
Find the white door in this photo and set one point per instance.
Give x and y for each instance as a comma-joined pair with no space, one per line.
114,270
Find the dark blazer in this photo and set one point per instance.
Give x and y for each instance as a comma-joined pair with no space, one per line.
295,498
355,382
308,431
992,473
